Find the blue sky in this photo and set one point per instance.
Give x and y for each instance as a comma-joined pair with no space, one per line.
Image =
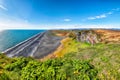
55,14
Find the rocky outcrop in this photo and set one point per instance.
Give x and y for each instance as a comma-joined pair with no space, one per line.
88,36
38,46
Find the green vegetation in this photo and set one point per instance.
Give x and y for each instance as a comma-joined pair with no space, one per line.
79,61
53,69
70,45
105,58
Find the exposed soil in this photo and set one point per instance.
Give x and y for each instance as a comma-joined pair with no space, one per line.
109,35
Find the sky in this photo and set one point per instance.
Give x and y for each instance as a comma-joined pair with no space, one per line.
59,14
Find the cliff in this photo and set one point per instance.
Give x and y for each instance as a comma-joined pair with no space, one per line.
52,42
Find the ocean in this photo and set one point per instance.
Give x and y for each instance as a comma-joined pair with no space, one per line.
10,38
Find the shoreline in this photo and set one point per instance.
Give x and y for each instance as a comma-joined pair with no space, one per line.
38,46
21,43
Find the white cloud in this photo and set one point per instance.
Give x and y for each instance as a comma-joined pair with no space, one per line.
67,20
104,15
8,23
22,24
109,13
97,17
101,16
91,18
116,9
84,26
15,23
3,8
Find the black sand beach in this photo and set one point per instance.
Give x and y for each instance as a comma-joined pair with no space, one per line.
37,46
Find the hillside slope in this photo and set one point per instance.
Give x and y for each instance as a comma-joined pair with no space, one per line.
72,59
109,35
105,55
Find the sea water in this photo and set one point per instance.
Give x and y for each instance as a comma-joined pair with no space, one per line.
10,38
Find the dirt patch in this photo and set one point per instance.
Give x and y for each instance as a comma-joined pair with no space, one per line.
109,35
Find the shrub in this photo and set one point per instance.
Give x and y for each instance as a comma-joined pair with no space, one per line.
59,69
3,76
18,64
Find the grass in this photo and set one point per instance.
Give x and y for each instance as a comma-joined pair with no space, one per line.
67,46
105,57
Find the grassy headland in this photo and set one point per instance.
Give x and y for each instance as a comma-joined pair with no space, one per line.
72,60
